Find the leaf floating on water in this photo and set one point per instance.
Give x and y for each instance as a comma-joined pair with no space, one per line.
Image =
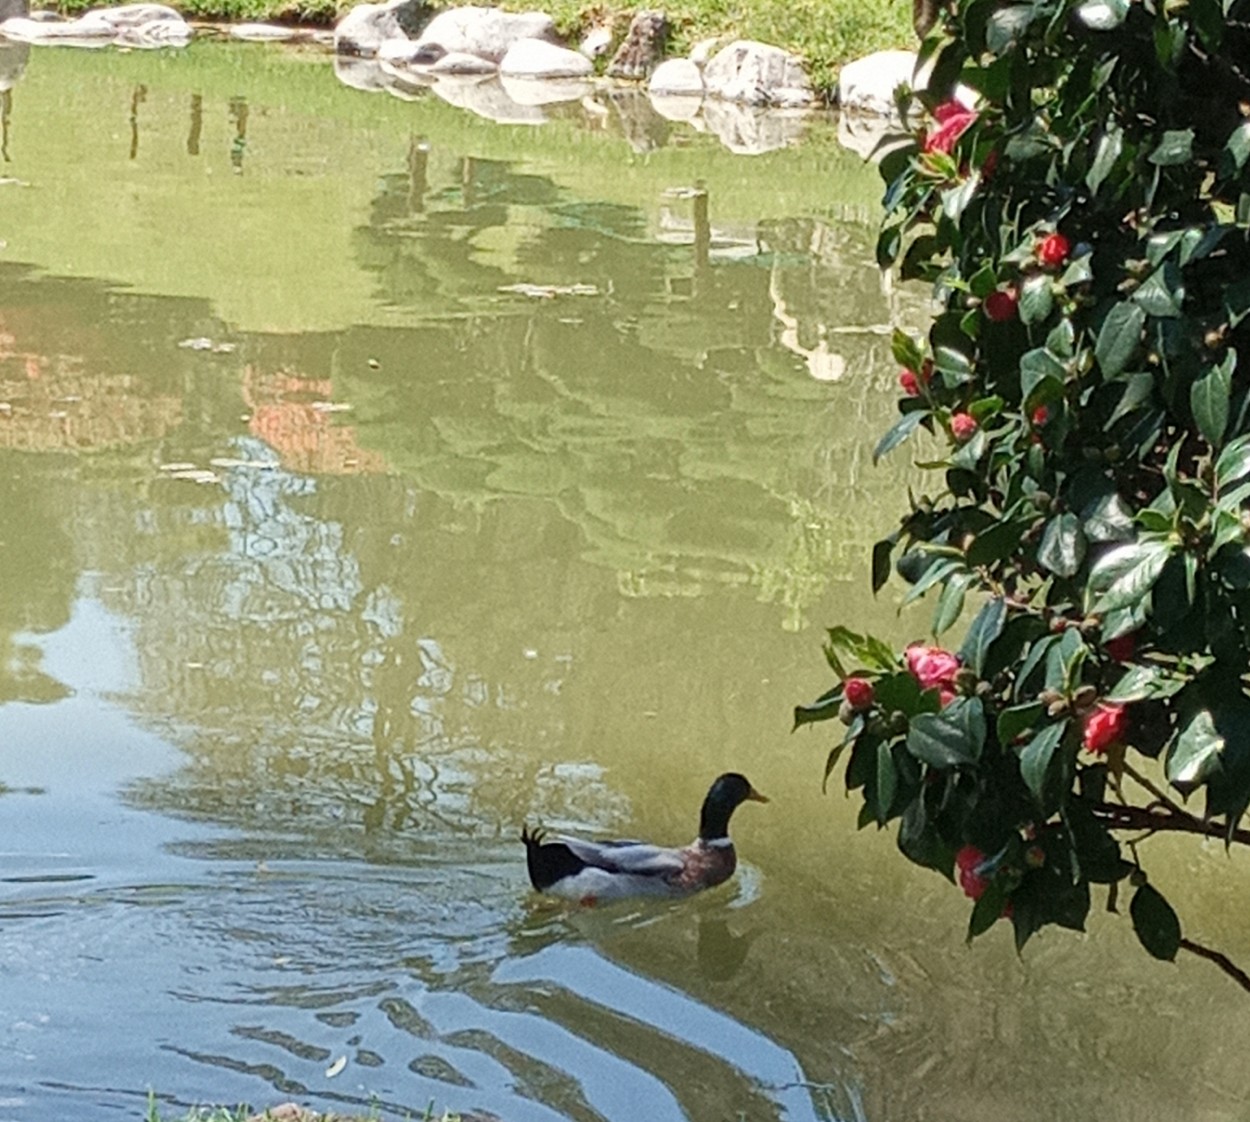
228,462
331,406
178,465
336,1067
203,343
550,291
195,475
9,181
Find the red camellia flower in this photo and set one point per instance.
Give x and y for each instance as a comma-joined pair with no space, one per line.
1040,416
953,120
1053,250
963,427
1000,306
910,383
1104,726
858,693
968,862
1122,647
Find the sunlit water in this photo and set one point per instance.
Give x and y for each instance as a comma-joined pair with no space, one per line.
330,558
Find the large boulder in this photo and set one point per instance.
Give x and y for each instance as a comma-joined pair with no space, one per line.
867,85
642,48
676,77
367,26
751,73
486,32
12,8
536,58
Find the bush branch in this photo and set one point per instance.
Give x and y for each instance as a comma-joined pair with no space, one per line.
1220,959
1119,817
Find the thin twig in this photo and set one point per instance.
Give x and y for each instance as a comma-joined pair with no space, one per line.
1220,959
1139,818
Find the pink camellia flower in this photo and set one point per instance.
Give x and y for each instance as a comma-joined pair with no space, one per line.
933,668
1122,647
858,693
968,862
1104,726
963,427
1053,250
909,382
1001,306
953,120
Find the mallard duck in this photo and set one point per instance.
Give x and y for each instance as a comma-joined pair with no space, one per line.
590,871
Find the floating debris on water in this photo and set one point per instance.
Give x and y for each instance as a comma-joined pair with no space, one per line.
550,291
203,343
336,1067
257,465
331,406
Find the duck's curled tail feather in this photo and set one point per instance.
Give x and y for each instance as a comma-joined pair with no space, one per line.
548,862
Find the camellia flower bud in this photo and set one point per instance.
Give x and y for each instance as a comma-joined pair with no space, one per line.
1001,306
963,427
1122,647
1104,726
1040,416
858,693
1053,250
968,862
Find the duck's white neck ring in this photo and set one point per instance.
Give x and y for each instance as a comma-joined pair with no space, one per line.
717,843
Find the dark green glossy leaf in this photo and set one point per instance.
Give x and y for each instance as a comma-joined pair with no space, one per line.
881,553
906,350
1238,146
1038,366
953,365
1196,752
887,782
1063,545
1108,519
951,602
1209,398
984,629
1175,147
1018,719
867,649
1233,464
1141,682
988,910
1036,756
996,543
1119,337
1156,923
1006,25
1162,293
901,693
1037,298
899,431
1106,152
954,736
1126,574
1237,301
824,708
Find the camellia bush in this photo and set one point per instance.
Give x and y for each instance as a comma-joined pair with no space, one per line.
1082,211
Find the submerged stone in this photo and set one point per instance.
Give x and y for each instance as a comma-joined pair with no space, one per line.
752,73
537,58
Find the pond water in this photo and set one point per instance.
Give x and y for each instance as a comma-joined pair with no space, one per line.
332,553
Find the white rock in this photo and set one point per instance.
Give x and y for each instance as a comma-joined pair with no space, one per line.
537,58
136,15
544,91
704,49
596,41
409,52
752,73
867,85
265,33
88,28
676,77
457,62
487,32
367,26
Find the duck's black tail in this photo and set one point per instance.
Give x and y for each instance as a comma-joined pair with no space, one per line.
548,862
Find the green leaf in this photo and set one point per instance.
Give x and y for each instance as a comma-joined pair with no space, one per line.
1038,366
1209,398
1237,300
952,737
1142,682
1108,150
1238,146
996,542
984,629
1035,757
1196,752
1108,519
824,708
1037,298
881,553
887,782
935,573
1102,15
1018,719
1156,923
901,693
1162,293
1118,338
1233,464
951,602
988,909
906,350
953,364
899,431
1124,575
867,649
1006,25
1063,545
1176,147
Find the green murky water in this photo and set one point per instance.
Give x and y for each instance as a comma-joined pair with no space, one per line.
329,558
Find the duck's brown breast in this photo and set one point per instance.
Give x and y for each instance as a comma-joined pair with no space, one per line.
706,866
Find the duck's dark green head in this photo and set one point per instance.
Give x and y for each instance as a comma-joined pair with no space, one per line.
727,793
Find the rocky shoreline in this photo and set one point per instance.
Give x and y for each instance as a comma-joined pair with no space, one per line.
507,66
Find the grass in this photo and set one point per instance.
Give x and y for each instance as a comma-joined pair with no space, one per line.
828,33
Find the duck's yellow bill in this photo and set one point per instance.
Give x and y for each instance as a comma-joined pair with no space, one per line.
756,797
